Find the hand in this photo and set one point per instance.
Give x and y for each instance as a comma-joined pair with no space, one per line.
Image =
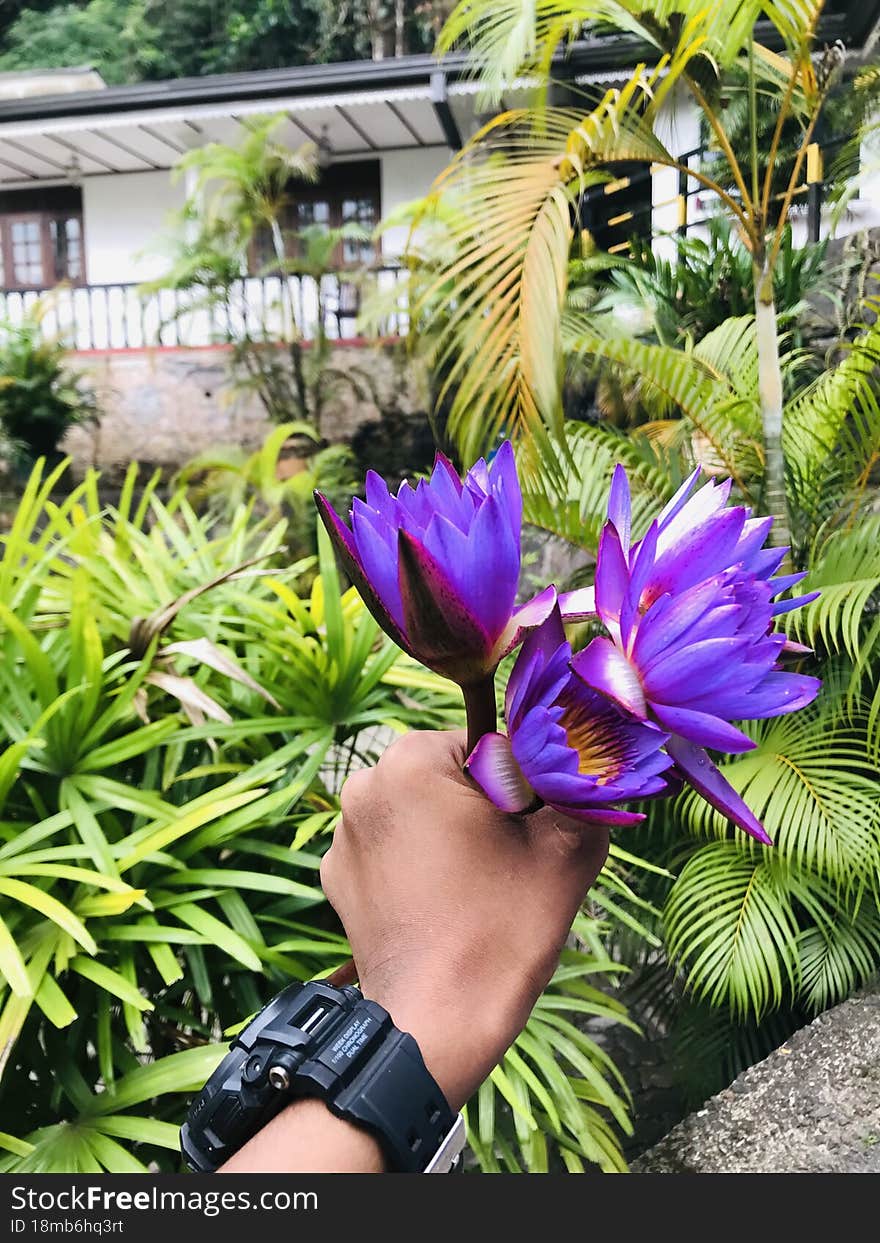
456,912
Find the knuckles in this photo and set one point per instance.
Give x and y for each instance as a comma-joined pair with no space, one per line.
328,873
355,792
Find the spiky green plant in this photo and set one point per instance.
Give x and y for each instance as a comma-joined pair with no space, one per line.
178,713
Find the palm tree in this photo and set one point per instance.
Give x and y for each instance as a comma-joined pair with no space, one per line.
245,188
516,185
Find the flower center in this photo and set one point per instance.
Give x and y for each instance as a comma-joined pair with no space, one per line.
599,753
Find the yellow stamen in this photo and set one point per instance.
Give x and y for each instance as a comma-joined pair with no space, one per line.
597,756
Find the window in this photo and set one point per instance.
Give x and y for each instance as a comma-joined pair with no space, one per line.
345,194
41,238
620,210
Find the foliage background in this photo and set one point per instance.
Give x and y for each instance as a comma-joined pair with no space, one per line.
134,40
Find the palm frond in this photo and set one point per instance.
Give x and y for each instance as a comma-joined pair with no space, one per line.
810,781
731,928
714,386
495,302
839,958
514,36
846,571
573,507
831,436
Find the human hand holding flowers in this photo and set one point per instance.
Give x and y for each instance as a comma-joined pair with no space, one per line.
688,613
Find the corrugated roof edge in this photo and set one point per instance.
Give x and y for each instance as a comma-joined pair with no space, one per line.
606,53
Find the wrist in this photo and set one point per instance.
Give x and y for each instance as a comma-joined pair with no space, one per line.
460,1038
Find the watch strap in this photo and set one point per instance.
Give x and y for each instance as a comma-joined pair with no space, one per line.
396,1098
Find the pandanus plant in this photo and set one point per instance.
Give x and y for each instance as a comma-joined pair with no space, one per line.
688,645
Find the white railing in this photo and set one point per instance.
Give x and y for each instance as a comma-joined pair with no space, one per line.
124,316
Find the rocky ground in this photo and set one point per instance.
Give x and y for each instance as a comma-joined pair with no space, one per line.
813,1106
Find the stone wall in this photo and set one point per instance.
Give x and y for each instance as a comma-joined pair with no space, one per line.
162,407
813,1107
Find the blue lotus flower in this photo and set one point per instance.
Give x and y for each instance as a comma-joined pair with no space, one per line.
689,612
566,746
438,565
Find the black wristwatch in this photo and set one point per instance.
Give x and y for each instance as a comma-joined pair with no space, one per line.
333,1044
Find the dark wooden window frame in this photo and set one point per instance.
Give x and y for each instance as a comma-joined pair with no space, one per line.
359,179
46,206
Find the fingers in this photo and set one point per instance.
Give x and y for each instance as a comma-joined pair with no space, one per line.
425,753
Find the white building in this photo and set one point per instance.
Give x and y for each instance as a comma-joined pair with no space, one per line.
87,187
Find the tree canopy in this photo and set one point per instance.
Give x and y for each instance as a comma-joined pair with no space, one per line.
133,40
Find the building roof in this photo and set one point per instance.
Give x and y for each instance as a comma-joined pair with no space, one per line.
357,108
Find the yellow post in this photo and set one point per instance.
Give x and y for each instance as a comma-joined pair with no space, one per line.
815,171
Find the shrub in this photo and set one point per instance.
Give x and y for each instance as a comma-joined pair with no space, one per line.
40,398
179,720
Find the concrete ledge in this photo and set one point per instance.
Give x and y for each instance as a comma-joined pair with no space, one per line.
812,1107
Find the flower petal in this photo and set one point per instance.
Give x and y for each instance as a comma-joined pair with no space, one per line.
605,668
697,553
378,496
679,499
612,576
504,483
376,541
690,670
671,617
708,781
776,694
496,772
343,542
700,508
443,464
620,505
702,728
784,581
578,605
788,606
601,815
525,618
640,572
442,631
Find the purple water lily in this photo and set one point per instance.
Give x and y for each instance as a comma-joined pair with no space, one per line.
689,610
438,565
567,746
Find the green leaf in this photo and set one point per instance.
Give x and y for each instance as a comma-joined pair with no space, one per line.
731,927
219,934
140,1130
263,882
29,895
12,964
157,838
112,1156
88,827
187,1072
109,980
20,1147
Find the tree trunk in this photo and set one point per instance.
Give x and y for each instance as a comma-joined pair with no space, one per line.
400,28
290,322
770,396
286,295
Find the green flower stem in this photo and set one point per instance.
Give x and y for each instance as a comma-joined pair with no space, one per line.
479,703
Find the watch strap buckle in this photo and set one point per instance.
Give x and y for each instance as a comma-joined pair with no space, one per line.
448,1156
